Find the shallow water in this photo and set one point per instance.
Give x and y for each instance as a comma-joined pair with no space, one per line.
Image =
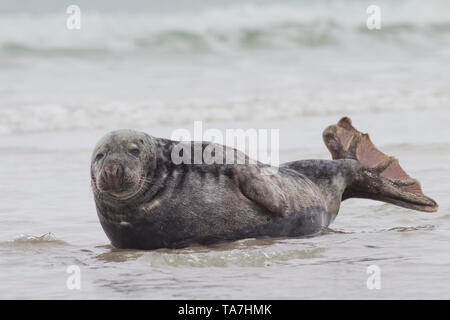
158,66
49,223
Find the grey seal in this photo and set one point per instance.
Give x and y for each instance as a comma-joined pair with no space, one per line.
146,201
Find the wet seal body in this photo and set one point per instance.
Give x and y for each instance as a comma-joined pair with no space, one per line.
146,201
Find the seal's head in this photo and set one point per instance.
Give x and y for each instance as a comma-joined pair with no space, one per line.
120,164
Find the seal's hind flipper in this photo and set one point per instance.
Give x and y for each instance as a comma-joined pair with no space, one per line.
345,142
385,180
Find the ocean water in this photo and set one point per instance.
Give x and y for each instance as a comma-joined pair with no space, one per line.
296,66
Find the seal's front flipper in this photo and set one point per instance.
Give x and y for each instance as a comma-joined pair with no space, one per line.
265,190
380,177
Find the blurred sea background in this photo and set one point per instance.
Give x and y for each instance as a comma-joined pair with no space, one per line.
296,66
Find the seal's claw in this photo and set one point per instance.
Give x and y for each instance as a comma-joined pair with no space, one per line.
404,183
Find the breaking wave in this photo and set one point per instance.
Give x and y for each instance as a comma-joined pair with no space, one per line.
246,27
42,118
255,61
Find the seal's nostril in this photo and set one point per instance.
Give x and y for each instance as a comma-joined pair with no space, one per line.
113,174
119,172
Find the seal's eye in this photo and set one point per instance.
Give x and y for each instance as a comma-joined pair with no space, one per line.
134,151
99,156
